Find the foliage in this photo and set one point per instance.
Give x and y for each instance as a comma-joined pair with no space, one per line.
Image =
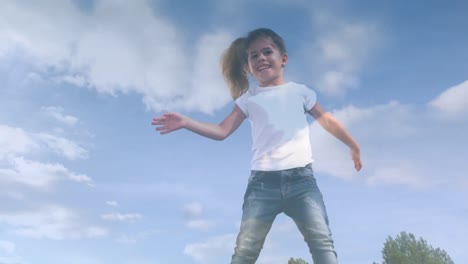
297,261
405,249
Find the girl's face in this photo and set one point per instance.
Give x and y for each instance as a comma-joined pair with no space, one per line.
266,62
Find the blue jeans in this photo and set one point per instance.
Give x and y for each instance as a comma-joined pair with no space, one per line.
294,192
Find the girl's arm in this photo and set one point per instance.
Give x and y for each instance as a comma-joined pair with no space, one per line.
173,121
334,127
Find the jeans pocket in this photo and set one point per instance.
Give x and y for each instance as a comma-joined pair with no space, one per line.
308,171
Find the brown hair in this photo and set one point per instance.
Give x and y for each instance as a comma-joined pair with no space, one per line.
234,59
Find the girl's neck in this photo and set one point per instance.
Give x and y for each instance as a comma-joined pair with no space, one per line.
276,82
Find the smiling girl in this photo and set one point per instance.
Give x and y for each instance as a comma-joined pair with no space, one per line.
282,178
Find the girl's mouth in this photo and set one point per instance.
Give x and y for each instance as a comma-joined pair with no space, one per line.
263,67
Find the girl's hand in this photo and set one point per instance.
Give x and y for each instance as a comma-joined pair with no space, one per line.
356,156
169,122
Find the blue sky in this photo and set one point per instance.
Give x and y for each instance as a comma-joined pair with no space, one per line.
85,179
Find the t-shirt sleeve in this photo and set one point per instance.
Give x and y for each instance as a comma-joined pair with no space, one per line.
242,103
310,98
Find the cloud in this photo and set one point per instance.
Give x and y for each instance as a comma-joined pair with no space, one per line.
50,222
193,210
122,217
18,171
212,249
57,113
276,249
335,83
400,174
205,89
63,146
15,141
112,203
193,213
343,44
135,238
41,176
453,101
207,77
118,47
200,224
160,190
397,142
385,124
339,51
124,239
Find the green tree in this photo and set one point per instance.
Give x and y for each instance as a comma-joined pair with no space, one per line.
297,261
405,249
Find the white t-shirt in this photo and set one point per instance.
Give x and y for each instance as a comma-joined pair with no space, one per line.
280,131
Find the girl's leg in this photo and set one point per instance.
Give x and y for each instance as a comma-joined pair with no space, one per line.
306,207
262,203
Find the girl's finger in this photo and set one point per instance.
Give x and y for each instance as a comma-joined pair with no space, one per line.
358,165
158,120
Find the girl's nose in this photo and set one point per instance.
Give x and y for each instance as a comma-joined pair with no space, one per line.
261,57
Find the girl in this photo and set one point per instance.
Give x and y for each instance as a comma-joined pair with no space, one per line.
282,178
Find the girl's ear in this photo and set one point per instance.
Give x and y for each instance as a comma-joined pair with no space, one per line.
284,60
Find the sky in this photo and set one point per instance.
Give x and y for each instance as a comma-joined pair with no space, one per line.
85,178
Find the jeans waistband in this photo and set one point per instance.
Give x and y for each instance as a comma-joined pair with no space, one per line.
286,170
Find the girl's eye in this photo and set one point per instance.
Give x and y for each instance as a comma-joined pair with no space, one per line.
254,56
268,52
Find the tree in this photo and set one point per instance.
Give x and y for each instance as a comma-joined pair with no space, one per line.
297,261
405,249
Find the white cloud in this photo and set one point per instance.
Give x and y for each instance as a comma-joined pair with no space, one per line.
214,248
400,174
112,203
453,101
80,258
50,222
142,235
122,217
338,52
347,44
7,246
119,47
15,141
63,146
16,169
335,83
57,113
200,224
163,189
193,210
38,175
193,213
382,123
396,143
126,240
276,248
76,80
207,77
